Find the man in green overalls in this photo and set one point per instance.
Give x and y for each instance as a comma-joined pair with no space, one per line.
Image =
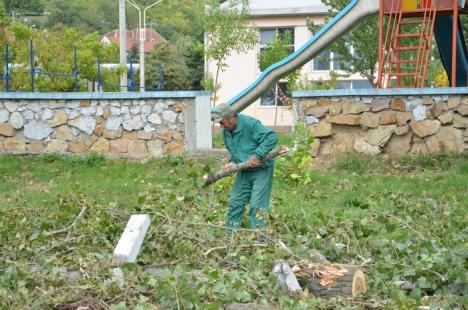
247,139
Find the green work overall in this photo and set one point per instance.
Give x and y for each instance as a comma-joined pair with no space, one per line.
253,185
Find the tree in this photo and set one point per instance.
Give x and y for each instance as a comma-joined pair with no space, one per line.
362,40
228,31
176,73
29,6
54,54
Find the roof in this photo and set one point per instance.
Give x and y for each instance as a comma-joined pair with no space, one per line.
133,39
282,7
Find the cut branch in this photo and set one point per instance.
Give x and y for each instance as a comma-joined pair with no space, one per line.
212,178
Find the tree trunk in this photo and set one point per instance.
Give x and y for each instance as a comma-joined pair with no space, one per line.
212,178
350,284
215,86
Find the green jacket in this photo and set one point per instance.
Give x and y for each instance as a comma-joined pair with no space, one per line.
249,138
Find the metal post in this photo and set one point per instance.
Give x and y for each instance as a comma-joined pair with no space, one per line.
454,43
31,63
75,70
130,83
7,69
99,75
123,42
381,64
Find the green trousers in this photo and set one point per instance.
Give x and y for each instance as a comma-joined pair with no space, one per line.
253,187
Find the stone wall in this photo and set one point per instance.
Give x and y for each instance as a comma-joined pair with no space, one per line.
116,125
393,122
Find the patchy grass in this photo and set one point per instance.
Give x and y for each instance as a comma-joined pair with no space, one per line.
402,219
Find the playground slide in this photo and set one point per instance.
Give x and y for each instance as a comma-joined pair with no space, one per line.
338,26
444,42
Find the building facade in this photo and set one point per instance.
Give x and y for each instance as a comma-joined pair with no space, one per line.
272,17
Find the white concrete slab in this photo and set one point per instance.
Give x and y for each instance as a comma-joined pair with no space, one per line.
130,242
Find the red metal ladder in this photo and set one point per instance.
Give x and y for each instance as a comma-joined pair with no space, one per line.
408,44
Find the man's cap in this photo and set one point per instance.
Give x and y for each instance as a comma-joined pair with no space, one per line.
222,110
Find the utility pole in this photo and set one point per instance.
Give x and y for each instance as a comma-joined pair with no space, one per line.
123,44
142,28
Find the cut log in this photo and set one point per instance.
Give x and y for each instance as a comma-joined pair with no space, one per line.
212,178
351,284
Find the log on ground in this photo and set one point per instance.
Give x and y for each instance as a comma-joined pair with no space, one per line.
351,283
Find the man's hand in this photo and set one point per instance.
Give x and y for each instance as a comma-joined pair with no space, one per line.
229,165
254,162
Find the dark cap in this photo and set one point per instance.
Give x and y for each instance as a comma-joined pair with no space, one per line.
222,110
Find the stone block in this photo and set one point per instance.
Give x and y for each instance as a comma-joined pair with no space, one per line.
460,121
425,128
60,118
112,134
77,147
85,103
379,104
398,105
335,108
369,120
446,118
35,147
129,135
321,129
387,118
101,146
454,102
37,130
130,241
402,130
6,130
355,107
315,148
137,149
57,146
349,119
446,140
173,148
155,148
362,147
308,103
463,109
399,145
63,133
119,146
403,118
14,145
85,124
380,136
324,102
318,112
16,120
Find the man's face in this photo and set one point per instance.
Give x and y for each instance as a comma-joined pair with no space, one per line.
229,122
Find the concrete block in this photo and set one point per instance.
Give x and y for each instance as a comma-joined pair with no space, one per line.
130,242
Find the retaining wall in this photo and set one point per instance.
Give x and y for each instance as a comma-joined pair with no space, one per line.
134,125
394,122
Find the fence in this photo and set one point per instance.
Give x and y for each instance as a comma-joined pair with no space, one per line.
101,85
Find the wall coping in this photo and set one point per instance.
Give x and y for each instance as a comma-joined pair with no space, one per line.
103,96
382,92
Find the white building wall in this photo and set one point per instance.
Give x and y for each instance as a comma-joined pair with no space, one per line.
242,70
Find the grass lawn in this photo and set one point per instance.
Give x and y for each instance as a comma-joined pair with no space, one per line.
400,219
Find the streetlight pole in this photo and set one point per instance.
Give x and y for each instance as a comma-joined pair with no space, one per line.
142,23
123,44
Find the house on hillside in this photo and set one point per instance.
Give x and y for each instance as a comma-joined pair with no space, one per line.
152,39
271,17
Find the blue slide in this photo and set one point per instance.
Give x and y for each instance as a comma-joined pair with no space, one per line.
443,35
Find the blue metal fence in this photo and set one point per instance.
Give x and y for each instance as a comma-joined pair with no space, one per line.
6,77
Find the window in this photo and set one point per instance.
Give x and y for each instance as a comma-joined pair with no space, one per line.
268,35
268,99
322,61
